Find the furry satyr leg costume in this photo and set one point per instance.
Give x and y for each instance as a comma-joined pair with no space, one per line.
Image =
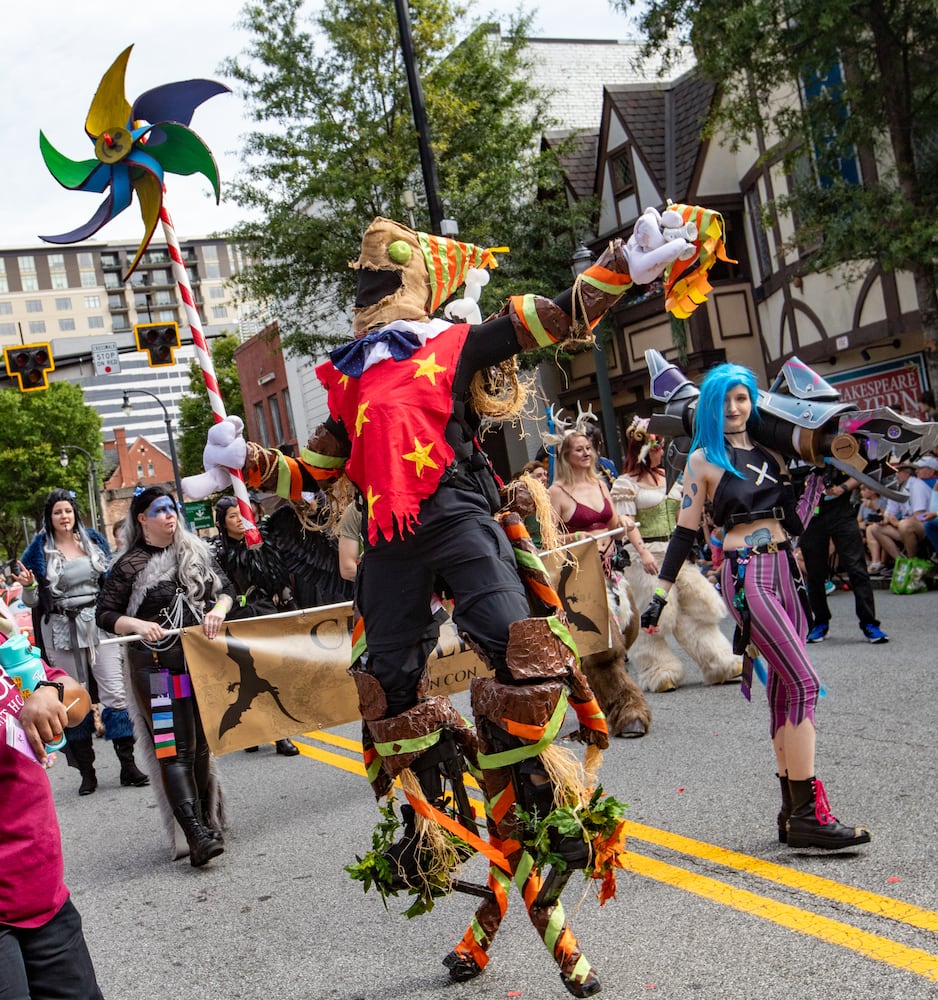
691,617
626,708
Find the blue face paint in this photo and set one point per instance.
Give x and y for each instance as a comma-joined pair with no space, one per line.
165,505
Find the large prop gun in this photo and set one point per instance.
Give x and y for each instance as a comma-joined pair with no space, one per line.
802,417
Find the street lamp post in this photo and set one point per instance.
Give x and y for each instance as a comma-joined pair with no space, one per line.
579,262
127,408
94,497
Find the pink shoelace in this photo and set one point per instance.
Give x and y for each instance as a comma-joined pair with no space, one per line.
822,809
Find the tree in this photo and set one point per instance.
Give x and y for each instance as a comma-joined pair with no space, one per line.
33,428
335,147
865,70
195,410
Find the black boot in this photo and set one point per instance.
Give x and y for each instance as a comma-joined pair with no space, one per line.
812,824
202,844
785,811
286,748
80,754
131,775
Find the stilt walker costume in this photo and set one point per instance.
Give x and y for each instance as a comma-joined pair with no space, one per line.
404,408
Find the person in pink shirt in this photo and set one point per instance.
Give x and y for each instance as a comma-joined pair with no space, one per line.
43,953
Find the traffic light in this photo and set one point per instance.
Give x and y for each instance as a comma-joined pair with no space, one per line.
30,364
159,340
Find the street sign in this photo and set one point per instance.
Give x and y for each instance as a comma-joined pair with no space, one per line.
199,514
106,359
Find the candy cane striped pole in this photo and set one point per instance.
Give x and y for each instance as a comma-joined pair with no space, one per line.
252,536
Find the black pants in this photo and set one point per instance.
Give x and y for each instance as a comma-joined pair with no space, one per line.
185,776
49,962
459,544
836,522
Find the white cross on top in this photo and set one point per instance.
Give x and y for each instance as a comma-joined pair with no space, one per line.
762,473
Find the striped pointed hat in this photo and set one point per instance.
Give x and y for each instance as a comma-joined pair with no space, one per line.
403,274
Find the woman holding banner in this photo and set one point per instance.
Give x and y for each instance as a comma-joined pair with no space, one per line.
164,580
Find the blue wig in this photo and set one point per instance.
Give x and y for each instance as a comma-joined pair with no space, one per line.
708,417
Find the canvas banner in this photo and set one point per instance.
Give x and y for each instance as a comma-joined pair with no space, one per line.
266,678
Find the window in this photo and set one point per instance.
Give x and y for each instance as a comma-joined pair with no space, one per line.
217,292
66,324
4,283
92,301
37,326
59,279
277,426
6,307
7,329
116,302
210,252
95,322
219,312
261,418
823,95
620,172
754,209
111,280
160,277
34,305
139,470
151,472
166,315
212,269
63,305
28,277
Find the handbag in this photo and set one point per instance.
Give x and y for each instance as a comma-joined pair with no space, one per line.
909,575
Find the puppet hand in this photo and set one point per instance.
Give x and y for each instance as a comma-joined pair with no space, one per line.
224,450
467,309
656,242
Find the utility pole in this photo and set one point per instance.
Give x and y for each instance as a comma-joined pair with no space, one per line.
427,161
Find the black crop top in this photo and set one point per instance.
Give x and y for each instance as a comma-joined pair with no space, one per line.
759,491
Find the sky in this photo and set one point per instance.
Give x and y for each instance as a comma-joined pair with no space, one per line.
56,51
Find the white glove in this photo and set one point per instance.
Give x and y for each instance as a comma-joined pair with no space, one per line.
466,309
224,450
657,241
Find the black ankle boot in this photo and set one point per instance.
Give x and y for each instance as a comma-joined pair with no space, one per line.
80,755
785,811
131,775
812,824
286,748
202,844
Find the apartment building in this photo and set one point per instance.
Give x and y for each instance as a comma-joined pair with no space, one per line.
74,299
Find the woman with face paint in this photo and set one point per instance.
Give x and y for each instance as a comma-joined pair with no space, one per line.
754,502
165,579
61,573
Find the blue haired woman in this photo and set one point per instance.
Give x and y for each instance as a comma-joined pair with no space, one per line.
754,501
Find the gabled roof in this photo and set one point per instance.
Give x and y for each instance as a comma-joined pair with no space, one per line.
578,161
664,122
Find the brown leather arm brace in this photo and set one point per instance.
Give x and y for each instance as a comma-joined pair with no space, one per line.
539,322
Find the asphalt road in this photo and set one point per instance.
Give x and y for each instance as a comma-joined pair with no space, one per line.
713,907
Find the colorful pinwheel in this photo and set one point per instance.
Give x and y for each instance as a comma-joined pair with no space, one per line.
133,146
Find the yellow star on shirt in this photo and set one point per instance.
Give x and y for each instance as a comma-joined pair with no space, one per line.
360,418
343,381
428,367
420,456
372,498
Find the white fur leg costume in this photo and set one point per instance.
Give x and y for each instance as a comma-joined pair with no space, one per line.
691,616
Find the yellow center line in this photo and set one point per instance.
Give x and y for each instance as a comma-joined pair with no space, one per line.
791,917
799,920
881,906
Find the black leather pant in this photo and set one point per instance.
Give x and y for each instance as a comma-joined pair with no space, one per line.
185,776
836,522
